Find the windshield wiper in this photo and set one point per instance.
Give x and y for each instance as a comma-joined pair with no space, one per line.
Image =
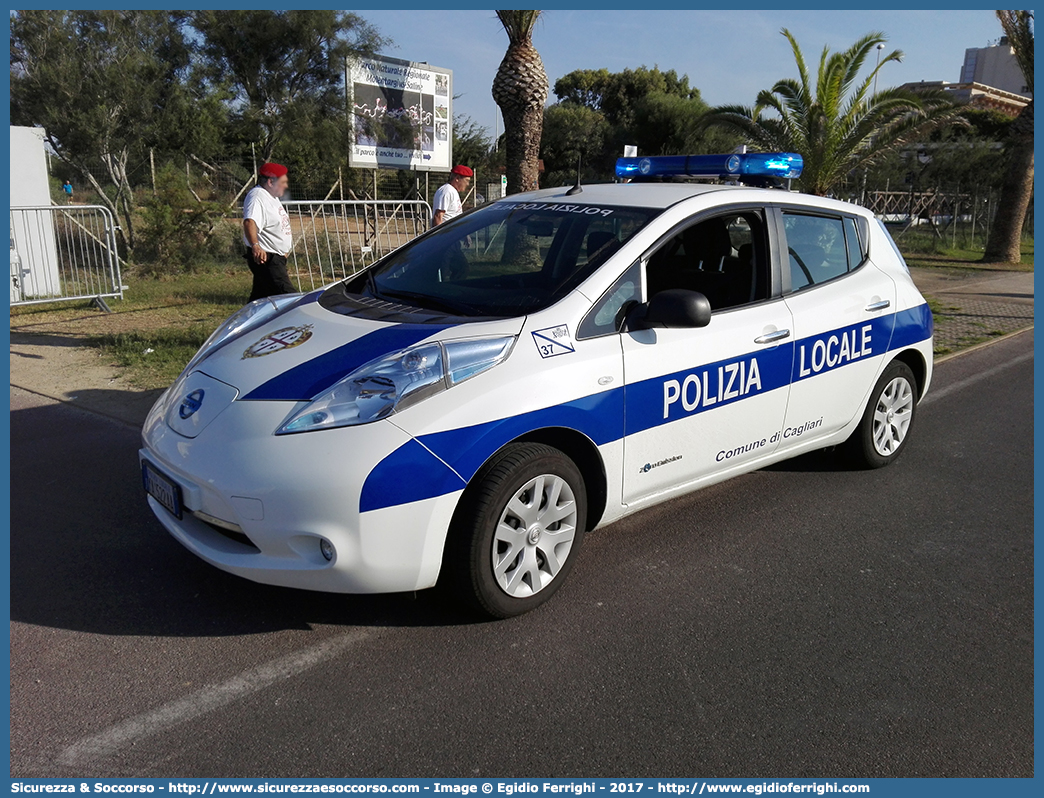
433,303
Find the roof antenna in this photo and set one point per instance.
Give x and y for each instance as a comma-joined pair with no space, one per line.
577,189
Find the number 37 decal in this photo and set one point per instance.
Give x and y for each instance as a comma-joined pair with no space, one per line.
552,341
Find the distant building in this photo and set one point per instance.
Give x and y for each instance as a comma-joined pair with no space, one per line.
995,67
990,79
977,95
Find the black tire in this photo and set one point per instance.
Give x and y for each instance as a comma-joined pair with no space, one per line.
887,421
502,491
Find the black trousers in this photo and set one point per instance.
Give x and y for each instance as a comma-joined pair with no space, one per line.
270,277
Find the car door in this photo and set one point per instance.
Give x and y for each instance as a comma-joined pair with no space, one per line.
713,399
843,310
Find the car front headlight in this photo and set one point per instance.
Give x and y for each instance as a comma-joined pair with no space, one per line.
392,383
242,321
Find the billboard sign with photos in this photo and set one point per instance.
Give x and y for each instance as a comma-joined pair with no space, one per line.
401,115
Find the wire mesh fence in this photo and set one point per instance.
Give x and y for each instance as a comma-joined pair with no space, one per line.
334,239
939,217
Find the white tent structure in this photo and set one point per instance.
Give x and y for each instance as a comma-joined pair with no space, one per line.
34,254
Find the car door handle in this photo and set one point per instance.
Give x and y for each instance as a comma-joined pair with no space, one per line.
772,337
878,305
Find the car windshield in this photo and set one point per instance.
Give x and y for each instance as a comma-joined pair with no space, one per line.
507,259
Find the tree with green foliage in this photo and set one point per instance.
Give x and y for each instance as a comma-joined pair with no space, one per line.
837,124
107,86
618,95
520,89
573,134
471,143
179,232
953,157
668,124
600,111
1004,244
284,74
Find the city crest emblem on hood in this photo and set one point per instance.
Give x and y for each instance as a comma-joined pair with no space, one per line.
286,338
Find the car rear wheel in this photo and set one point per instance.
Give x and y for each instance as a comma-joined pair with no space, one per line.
515,539
887,420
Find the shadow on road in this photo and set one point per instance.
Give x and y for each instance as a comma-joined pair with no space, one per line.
127,406
1008,295
88,555
820,460
45,339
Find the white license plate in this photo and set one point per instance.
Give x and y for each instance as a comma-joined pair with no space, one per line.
162,489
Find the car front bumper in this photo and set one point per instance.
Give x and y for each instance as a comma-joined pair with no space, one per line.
288,493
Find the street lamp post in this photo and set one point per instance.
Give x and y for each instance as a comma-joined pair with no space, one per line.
880,47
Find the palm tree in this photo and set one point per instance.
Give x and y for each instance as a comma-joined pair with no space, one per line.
520,89
1005,238
839,125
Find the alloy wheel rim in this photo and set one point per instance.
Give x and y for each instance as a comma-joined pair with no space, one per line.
892,416
534,536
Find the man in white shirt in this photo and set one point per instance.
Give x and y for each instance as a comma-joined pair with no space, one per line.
266,233
447,199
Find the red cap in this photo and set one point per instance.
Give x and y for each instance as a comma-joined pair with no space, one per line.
272,170
463,171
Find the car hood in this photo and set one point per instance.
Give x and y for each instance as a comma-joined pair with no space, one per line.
304,351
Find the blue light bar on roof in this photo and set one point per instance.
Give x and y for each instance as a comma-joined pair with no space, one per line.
761,164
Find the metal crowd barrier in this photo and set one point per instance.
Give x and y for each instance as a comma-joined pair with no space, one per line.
334,239
64,252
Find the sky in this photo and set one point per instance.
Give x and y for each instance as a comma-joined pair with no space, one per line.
728,55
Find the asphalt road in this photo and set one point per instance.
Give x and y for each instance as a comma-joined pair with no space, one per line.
799,621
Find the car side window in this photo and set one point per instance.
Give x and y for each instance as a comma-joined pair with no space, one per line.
816,248
606,315
856,249
724,257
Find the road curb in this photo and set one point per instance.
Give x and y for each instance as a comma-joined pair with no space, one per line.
983,345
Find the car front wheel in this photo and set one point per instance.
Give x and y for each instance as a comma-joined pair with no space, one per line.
516,537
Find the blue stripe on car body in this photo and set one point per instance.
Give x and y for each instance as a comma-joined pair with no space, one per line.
707,387
599,416
603,418
911,326
823,352
309,379
401,474
395,480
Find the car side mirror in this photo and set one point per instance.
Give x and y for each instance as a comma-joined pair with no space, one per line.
673,308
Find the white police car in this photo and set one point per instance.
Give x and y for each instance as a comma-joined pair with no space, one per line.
472,404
